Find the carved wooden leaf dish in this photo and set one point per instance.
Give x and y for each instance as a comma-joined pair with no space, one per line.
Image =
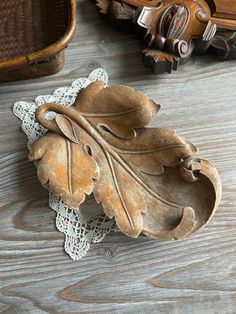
147,178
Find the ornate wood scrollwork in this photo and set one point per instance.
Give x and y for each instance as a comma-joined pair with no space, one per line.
172,29
149,179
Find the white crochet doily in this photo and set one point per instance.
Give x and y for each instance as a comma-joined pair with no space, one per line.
81,228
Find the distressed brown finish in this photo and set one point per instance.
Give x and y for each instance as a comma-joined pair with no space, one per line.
147,178
33,35
66,166
172,29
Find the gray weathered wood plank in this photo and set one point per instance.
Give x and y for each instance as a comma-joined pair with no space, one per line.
120,275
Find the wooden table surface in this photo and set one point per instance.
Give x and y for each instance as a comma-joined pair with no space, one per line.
120,275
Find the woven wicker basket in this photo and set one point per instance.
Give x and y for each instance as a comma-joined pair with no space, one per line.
33,35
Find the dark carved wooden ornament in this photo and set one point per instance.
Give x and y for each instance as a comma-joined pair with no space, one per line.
173,29
149,179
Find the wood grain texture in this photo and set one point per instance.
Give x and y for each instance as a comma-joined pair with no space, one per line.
120,275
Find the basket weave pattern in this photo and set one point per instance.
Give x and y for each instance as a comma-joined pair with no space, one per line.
30,25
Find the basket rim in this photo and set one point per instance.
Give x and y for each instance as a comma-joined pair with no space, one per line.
47,52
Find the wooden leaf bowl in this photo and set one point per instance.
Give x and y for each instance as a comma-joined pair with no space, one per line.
172,30
33,35
149,179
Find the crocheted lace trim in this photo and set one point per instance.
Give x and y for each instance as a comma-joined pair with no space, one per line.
81,228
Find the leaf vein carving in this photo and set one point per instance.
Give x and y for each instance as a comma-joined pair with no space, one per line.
118,188
132,152
110,114
69,157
